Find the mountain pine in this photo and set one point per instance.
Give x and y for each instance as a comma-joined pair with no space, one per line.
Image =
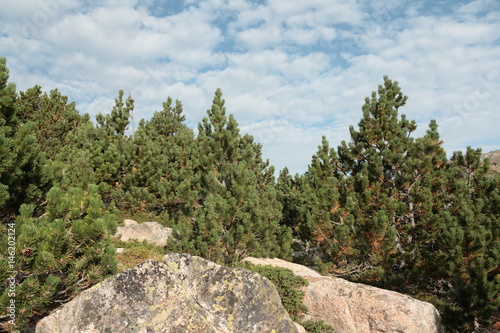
59,253
23,172
53,116
100,154
162,171
237,213
391,210
476,284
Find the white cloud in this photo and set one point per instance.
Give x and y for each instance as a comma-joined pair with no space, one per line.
288,66
290,71
473,8
316,12
310,36
302,23
11,9
127,34
260,38
36,13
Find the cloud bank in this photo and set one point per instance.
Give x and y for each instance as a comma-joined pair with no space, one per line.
290,71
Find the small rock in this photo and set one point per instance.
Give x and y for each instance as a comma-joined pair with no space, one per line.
152,232
129,223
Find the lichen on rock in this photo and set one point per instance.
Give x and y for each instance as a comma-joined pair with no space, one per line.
181,294
151,232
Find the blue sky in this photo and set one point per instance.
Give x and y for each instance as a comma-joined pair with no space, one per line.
290,71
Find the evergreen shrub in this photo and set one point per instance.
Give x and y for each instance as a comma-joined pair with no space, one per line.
288,286
58,254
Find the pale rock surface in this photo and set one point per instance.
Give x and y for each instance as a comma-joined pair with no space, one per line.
152,232
183,293
300,328
494,157
354,307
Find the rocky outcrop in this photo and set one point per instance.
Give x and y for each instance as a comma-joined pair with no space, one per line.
494,157
152,232
181,294
353,307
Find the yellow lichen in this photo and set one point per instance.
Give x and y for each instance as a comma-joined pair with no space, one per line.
174,267
230,323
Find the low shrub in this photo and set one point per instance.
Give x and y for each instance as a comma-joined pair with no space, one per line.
288,286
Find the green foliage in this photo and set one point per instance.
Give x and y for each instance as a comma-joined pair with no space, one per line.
375,206
117,121
319,326
60,253
236,212
23,173
8,95
288,286
375,186
160,178
290,194
476,284
53,116
393,211
384,208
328,206
99,154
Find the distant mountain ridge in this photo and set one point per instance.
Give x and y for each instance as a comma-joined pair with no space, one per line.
494,157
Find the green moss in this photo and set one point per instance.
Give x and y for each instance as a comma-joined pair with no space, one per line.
135,252
287,284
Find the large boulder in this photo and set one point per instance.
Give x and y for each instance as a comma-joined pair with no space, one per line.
354,307
181,294
152,232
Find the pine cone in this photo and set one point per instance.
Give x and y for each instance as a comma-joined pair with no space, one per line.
27,252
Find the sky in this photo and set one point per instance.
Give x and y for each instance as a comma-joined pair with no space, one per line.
290,71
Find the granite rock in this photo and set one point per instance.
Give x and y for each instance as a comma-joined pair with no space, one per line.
183,293
353,307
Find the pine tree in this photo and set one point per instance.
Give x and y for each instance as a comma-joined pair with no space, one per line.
117,121
237,213
476,285
53,116
374,160
58,254
61,236
380,206
162,173
290,195
431,232
7,128
8,95
23,173
100,154
331,224
391,210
